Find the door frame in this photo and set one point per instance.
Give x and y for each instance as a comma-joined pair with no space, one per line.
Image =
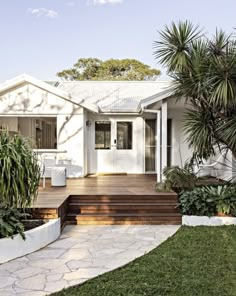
144,147
121,156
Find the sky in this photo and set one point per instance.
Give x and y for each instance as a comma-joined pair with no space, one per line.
43,37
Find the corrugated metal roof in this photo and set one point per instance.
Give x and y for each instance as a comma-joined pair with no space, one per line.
114,96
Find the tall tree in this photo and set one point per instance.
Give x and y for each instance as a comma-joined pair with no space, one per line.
113,69
204,72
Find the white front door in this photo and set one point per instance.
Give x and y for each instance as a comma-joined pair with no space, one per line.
112,142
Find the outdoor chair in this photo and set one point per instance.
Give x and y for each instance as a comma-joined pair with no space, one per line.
47,163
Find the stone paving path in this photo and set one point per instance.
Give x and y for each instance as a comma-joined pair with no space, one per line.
81,253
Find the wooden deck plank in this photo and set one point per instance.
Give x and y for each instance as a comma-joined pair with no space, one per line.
108,185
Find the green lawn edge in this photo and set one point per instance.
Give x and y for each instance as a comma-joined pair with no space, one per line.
195,261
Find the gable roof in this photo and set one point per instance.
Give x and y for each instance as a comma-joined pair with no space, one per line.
117,96
24,78
100,96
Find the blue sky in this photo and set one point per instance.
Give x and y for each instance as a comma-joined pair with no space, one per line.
42,37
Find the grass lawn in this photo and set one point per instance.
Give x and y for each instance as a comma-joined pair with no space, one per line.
197,261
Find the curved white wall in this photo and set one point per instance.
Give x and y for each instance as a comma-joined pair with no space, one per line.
36,239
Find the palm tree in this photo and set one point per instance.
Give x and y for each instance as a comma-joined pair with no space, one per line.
204,72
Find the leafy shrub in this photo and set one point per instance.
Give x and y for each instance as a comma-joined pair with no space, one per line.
197,202
10,222
179,179
209,200
19,171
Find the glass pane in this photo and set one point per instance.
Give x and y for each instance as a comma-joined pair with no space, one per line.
150,159
102,135
150,145
124,135
42,131
169,137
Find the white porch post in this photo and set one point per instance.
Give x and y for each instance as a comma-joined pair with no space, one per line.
158,146
163,136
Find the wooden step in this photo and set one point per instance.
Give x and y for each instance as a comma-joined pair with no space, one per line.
129,218
123,198
124,222
85,208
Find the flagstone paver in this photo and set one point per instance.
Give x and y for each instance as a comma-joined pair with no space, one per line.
81,253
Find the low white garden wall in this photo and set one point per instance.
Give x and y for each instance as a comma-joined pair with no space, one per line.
207,221
36,239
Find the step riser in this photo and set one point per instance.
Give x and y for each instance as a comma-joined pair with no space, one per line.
115,219
122,198
126,223
128,212
94,210
132,201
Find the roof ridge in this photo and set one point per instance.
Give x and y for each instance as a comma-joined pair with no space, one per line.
115,81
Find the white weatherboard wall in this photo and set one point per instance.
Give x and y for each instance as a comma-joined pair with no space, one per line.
113,160
29,100
36,239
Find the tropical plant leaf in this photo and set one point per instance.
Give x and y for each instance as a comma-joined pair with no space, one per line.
20,172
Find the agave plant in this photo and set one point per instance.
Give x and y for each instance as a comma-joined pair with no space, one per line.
224,197
204,72
19,171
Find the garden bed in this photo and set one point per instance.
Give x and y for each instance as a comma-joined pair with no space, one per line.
36,239
207,221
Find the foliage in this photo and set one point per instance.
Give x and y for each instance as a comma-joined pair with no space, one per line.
20,173
195,261
209,200
10,222
197,202
162,187
224,197
179,179
113,69
204,72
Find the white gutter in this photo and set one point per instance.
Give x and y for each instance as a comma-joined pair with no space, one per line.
118,113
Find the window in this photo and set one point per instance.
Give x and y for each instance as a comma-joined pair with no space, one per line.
102,135
124,135
41,130
46,133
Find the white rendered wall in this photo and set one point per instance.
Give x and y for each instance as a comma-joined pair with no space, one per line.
180,150
29,100
36,239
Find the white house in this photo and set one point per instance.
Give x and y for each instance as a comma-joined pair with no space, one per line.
98,126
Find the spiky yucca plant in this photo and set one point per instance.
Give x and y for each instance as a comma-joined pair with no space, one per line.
19,171
204,72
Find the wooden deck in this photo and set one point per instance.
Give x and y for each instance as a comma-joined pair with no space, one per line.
53,202
96,185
